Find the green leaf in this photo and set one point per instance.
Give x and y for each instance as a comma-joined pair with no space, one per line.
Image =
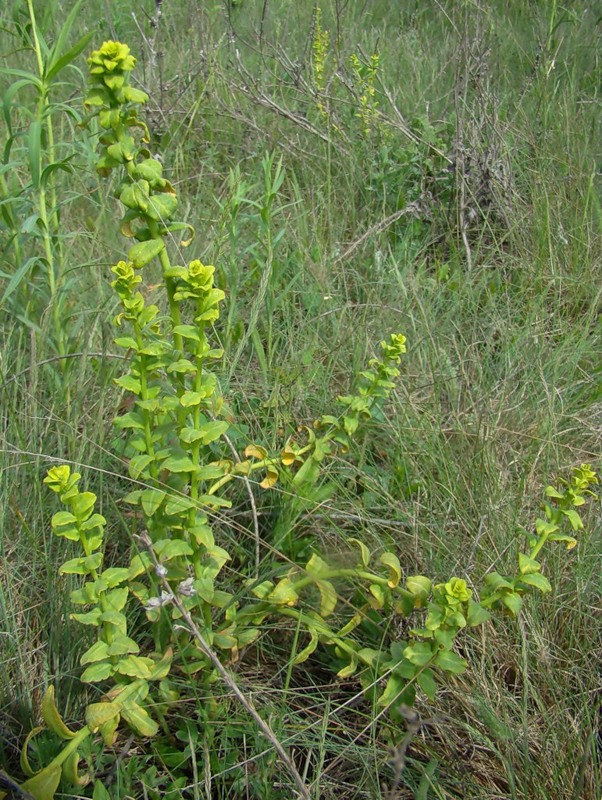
513,602
82,504
211,472
144,252
364,552
70,771
328,598
130,420
420,587
134,195
91,618
283,594
426,681
52,718
138,464
349,669
378,594
133,95
477,615
202,535
210,432
537,580
562,537
151,500
177,505
188,332
18,277
108,731
113,576
179,464
97,672
225,641
419,653
74,566
393,689
155,348
98,652
189,399
127,342
445,637
44,784
543,527
138,719
54,67
116,599
450,662
316,566
496,582
149,170
56,54
121,645
205,588
182,366
162,206
574,518
139,564
217,558
172,548
160,669
134,666
63,518
353,623
213,501
100,793
116,618
99,713
304,654
307,475
527,565
391,561
95,521
261,590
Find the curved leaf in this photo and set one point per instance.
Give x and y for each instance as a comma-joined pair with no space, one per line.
51,716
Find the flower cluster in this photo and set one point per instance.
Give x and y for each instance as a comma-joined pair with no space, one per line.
109,74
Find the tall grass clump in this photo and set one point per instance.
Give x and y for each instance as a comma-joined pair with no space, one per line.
247,552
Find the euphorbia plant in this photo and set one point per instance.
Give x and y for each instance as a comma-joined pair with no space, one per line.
179,463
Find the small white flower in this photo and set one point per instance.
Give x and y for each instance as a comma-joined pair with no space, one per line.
161,570
157,602
186,588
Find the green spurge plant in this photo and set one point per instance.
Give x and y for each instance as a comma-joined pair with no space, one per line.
180,464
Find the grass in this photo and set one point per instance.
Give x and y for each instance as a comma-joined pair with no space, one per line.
495,282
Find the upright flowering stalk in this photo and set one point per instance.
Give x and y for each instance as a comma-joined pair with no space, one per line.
365,77
301,463
174,429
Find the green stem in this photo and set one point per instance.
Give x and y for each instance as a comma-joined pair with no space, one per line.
71,747
350,573
50,221
106,626
174,308
195,448
540,543
144,394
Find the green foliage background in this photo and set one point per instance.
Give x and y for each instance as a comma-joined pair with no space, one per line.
486,119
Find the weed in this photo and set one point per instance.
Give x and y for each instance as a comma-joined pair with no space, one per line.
175,437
